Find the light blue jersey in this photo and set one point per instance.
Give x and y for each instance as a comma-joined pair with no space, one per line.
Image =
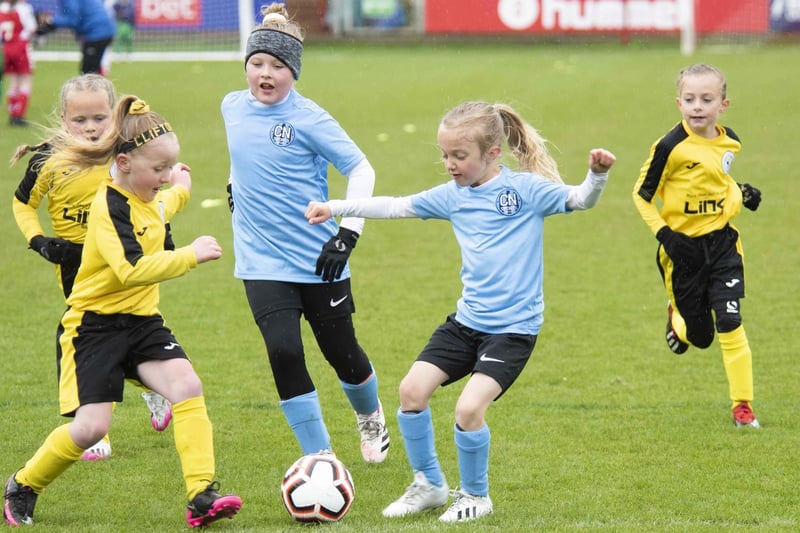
279,162
499,226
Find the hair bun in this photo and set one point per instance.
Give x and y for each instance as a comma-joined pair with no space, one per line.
274,17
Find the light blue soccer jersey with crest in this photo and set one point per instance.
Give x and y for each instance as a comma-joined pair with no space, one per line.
279,162
499,226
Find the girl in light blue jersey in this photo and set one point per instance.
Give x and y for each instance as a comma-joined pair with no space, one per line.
497,215
281,144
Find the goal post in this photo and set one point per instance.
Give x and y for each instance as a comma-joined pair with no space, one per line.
166,30
686,22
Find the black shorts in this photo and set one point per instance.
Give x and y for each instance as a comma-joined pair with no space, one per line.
99,352
720,279
459,351
317,301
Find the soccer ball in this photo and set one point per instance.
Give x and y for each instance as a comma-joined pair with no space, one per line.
317,488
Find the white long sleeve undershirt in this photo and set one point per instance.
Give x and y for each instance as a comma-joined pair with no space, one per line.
360,183
579,198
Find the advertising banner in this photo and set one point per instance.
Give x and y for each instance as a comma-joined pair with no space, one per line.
606,16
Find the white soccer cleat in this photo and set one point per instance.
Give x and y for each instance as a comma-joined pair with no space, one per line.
466,507
374,436
420,496
160,410
99,451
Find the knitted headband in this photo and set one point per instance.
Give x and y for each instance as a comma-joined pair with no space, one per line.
281,45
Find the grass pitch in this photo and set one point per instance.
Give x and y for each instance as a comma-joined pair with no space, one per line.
606,430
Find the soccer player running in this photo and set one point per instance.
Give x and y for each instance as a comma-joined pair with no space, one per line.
17,26
85,112
280,146
497,216
112,329
700,254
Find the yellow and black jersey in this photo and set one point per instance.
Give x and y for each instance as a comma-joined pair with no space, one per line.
69,195
690,175
124,257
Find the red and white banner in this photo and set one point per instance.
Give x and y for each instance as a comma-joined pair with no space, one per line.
169,13
597,16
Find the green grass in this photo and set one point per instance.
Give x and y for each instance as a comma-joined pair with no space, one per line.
605,430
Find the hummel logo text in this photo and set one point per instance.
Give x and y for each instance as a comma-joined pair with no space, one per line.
334,303
171,346
486,359
730,284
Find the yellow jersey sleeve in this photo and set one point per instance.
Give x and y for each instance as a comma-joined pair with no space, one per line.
124,258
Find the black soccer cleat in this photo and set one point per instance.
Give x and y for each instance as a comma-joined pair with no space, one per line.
19,503
210,506
673,341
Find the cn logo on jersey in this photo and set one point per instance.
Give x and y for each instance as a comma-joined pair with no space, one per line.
508,202
282,134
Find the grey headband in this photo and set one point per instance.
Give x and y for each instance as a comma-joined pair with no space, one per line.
281,45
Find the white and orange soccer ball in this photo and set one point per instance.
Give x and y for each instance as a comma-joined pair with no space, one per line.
318,488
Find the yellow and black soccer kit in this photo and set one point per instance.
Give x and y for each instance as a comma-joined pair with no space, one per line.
113,324
69,195
690,175
117,288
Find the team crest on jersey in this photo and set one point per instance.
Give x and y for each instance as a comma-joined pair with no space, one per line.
281,134
508,202
727,161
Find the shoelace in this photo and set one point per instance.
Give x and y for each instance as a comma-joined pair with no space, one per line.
20,497
414,493
372,428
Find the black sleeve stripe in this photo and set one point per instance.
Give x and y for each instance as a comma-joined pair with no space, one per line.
732,134
35,163
120,212
660,157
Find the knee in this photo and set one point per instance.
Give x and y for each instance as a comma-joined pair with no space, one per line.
728,322
699,330
469,415
700,340
412,396
87,430
188,386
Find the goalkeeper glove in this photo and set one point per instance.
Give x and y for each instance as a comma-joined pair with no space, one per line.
751,196
681,248
55,250
333,258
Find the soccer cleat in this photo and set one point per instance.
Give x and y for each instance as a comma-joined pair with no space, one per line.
374,436
19,503
160,410
743,416
210,506
673,341
466,507
420,496
99,451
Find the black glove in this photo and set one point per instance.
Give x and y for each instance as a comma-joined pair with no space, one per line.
333,258
681,248
751,196
230,197
55,250
169,244
44,23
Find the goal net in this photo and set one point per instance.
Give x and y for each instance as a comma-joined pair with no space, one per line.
166,30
